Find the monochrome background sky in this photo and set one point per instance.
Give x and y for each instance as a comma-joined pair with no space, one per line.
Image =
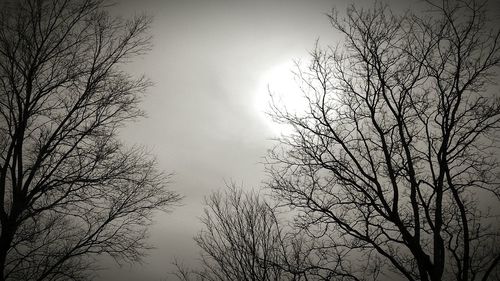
211,64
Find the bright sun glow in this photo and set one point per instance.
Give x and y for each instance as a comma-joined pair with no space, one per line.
283,85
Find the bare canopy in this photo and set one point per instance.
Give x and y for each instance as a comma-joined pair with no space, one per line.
69,189
394,162
244,238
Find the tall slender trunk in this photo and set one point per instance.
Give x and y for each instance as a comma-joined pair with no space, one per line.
6,237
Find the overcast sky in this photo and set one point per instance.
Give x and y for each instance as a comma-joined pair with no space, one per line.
211,63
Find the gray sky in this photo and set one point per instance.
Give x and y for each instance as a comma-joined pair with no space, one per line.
211,63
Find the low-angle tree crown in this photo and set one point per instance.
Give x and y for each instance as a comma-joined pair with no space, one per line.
394,162
69,189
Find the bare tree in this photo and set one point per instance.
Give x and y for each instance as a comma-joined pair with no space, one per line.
394,162
69,190
243,239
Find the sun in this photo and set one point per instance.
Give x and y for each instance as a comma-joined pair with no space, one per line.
280,83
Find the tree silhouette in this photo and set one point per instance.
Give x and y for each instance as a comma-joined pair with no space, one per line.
69,190
243,239
394,162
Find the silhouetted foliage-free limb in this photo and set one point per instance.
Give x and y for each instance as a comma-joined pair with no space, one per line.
394,163
243,239
240,239
69,190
